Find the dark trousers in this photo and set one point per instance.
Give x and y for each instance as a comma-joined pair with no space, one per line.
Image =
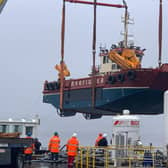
71,161
28,157
54,156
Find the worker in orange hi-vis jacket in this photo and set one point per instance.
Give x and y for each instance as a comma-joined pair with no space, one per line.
29,150
72,149
100,136
54,145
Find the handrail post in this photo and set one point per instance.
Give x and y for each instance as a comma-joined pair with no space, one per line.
153,159
93,157
87,157
106,157
129,162
76,160
81,158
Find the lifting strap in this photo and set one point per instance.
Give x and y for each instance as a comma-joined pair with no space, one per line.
62,57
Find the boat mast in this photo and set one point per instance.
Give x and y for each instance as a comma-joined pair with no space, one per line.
62,57
160,34
95,3
125,25
94,54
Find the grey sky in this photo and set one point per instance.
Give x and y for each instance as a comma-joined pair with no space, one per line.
30,48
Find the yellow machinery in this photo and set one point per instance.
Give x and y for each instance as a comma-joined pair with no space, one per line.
66,72
120,156
127,60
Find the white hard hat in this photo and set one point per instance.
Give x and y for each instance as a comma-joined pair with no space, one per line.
104,135
74,134
139,142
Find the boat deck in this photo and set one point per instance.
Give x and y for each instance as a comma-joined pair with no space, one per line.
49,165
44,165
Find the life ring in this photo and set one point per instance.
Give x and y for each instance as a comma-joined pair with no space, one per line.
131,74
121,77
111,79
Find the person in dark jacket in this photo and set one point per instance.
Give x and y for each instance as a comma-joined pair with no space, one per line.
37,145
103,142
100,136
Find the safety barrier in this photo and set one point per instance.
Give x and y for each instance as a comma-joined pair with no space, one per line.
120,156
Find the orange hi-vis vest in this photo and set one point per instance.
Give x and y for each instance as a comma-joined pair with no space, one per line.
54,144
29,150
72,146
98,139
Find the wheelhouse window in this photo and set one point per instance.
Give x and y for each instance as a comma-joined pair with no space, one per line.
17,128
29,129
4,128
105,59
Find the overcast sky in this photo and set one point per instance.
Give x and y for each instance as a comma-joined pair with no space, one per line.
30,48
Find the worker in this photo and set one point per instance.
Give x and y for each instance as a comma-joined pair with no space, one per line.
54,145
29,150
72,149
100,136
139,143
37,145
103,141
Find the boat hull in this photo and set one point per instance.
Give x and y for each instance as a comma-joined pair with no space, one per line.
141,92
110,101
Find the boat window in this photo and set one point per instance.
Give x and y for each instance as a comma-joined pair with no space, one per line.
129,141
113,66
4,128
107,59
104,59
118,67
29,130
18,128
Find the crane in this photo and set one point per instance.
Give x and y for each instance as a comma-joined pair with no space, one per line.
2,4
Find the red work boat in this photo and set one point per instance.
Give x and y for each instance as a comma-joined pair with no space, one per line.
118,83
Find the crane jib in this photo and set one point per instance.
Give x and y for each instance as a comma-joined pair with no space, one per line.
97,3
2,4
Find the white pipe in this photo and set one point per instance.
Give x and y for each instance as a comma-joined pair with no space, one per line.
166,116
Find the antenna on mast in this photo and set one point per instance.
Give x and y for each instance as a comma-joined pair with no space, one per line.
125,24
126,20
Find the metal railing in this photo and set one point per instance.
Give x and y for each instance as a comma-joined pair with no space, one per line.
120,156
